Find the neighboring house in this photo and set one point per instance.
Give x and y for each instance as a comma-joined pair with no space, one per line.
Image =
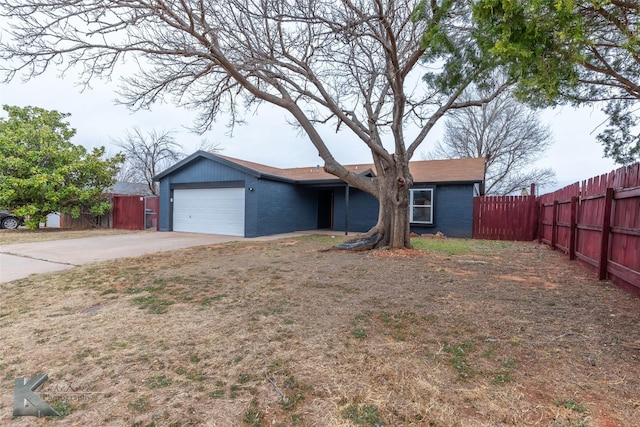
130,189
210,193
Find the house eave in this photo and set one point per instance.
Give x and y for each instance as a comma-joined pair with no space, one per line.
275,178
459,182
203,154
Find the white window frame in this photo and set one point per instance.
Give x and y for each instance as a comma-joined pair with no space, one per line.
412,206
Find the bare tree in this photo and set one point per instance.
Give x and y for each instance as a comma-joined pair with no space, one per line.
374,67
126,174
209,146
507,134
148,154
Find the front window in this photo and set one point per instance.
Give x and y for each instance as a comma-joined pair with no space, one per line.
422,206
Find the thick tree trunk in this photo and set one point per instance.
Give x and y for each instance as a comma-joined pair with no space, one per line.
393,216
392,228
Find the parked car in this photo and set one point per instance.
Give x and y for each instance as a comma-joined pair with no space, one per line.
9,220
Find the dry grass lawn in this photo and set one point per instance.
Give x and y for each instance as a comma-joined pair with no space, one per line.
286,333
24,235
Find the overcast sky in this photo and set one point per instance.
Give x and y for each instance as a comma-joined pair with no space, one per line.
268,139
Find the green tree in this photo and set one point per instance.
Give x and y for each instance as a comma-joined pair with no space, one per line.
576,51
357,64
42,172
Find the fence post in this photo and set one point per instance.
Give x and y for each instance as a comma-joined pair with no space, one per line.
532,223
554,225
540,216
573,228
606,231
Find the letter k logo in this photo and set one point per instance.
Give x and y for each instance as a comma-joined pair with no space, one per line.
26,402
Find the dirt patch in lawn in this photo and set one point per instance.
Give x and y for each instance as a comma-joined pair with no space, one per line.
459,333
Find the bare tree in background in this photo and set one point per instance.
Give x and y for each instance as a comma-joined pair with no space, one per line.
375,68
507,134
147,154
209,146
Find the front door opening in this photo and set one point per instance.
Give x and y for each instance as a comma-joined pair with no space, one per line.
325,209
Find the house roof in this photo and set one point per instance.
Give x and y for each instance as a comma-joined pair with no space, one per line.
451,170
130,189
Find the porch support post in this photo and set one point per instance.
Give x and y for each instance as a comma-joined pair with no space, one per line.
346,210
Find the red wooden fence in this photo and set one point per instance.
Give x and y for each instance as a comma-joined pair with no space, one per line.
601,226
128,212
557,218
135,212
504,218
597,222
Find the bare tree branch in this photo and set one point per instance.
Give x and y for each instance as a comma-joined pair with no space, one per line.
506,134
148,154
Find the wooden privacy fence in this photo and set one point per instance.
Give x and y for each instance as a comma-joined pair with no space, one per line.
134,212
505,217
596,221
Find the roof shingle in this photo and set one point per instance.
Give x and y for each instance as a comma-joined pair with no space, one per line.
450,170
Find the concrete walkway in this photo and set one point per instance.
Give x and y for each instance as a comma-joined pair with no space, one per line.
23,259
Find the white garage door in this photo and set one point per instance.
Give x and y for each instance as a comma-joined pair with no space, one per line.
209,210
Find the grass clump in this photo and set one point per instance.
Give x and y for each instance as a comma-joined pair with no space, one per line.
357,330
244,378
295,391
577,415
62,407
503,375
459,360
359,333
217,393
253,415
154,304
208,301
159,381
139,405
363,415
570,404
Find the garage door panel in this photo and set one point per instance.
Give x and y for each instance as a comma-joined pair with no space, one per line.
209,210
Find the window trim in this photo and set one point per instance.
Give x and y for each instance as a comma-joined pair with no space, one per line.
411,206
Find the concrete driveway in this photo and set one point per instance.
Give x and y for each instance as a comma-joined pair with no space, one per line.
23,259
